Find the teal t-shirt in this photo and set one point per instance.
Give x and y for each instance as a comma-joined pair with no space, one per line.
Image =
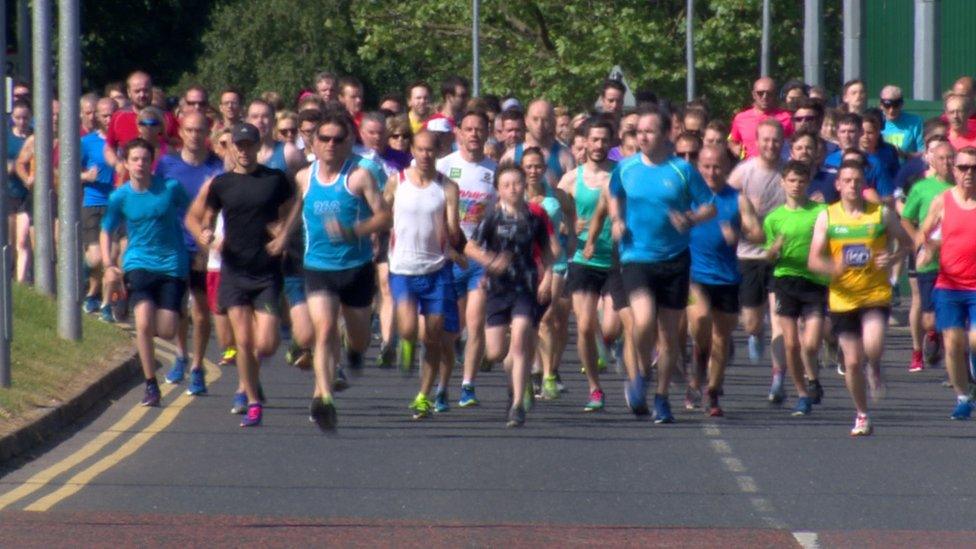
905,133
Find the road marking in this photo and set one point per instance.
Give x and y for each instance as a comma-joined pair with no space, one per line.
807,540
721,446
100,442
746,484
734,465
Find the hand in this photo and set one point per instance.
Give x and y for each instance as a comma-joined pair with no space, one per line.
588,250
581,224
90,174
883,260
817,197
680,221
618,230
112,275
544,293
777,246
338,233
277,245
205,237
728,233
499,264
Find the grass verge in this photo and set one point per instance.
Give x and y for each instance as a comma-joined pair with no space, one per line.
43,366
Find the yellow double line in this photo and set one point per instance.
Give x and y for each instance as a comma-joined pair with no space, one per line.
99,443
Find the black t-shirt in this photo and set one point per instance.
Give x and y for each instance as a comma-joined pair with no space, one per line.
250,203
293,261
522,235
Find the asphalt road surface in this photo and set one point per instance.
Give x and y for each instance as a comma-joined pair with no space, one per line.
186,473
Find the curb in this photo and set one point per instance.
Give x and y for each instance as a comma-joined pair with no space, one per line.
48,423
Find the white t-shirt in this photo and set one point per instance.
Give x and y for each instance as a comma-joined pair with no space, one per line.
475,185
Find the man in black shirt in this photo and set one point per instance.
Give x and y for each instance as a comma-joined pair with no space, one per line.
253,200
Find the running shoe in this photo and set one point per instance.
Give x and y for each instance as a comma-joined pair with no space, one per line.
963,410
406,357
107,315
303,359
323,413
596,401
91,305
240,403
756,349
931,348
777,393
528,398
229,357
816,391
714,410
421,406
693,398
151,396
341,382
618,355
468,398
918,364
536,384
550,391
440,401
804,405
662,409
559,384
603,357
516,417
355,362
877,387
386,356
198,383
253,416
178,371
862,426
635,394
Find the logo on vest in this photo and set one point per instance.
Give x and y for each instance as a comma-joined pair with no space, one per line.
856,255
455,173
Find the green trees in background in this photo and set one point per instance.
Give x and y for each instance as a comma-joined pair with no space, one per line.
558,49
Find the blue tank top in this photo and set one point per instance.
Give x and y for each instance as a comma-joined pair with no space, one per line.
555,211
552,163
277,160
327,201
15,187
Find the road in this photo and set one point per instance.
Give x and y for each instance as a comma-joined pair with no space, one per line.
186,473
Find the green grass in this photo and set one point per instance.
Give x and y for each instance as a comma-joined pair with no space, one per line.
43,365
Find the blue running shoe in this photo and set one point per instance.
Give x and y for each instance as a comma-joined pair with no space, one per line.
91,305
756,349
152,396
178,371
662,409
198,383
635,394
253,416
777,393
240,403
440,401
107,315
963,410
804,405
468,397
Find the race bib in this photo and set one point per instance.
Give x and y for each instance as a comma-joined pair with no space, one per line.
856,255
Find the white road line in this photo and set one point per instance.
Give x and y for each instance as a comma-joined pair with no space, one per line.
807,540
747,484
721,446
734,465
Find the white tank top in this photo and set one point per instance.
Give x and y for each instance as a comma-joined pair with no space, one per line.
419,239
213,256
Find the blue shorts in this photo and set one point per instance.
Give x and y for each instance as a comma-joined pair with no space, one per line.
468,279
295,290
926,285
954,308
433,293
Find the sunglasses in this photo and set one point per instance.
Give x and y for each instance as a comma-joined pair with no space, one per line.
149,122
196,103
688,155
892,103
330,138
762,93
804,118
287,131
966,167
399,136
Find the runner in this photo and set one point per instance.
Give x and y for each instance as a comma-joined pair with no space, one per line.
513,243
800,294
851,244
474,174
714,308
97,179
540,125
425,223
253,199
19,195
743,137
952,215
340,207
921,278
651,198
155,261
193,166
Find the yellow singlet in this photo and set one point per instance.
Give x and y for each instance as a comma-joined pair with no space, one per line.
855,242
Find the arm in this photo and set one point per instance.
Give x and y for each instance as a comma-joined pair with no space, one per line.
568,208
932,220
199,220
752,229
278,243
452,212
22,164
818,261
898,234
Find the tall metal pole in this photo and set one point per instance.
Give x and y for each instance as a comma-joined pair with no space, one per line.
764,54
6,272
852,39
690,50
69,195
475,48
812,67
926,73
24,39
43,139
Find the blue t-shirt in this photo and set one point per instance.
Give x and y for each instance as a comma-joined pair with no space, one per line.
152,224
15,187
905,133
911,171
648,194
713,260
887,157
875,175
93,155
172,166
823,182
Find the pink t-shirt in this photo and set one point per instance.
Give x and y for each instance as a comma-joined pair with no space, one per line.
745,124
960,141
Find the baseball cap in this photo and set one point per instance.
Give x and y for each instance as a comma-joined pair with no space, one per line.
439,125
511,103
244,132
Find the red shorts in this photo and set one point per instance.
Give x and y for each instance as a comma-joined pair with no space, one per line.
213,283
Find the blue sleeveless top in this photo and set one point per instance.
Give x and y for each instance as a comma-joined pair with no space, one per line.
552,163
325,202
277,160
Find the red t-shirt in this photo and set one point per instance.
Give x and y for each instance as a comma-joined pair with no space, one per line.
124,128
960,141
745,123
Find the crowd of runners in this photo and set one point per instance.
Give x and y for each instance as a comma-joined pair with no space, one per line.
463,232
